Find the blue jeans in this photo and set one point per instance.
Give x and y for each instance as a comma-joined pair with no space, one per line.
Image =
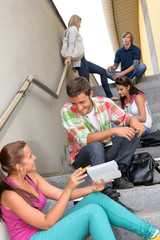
138,72
147,130
94,153
93,215
88,67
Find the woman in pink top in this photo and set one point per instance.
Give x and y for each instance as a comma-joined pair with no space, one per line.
22,201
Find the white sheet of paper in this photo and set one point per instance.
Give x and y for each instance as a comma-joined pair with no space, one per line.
107,171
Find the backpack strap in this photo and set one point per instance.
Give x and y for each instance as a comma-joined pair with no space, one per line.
155,165
157,168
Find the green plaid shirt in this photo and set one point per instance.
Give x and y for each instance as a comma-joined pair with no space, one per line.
77,126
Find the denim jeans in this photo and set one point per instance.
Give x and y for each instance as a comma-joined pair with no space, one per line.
94,153
88,67
138,72
147,130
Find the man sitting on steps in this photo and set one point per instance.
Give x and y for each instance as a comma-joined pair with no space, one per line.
87,122
129,56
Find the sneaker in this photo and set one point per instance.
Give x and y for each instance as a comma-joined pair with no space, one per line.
156,238
122,183
111,193
134,80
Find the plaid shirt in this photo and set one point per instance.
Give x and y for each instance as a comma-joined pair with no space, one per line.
77,126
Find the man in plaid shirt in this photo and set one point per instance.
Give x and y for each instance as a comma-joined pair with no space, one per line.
88,124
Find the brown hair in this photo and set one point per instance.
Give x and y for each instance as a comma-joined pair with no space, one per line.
126,33
10,155
74,20
78,85
126,81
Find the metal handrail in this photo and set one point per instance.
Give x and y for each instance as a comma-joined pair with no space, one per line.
30,79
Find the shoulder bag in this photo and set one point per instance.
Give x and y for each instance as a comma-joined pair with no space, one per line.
150,140
141,169
78,51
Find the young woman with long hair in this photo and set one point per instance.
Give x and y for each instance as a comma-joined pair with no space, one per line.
83,66
134,101
22,199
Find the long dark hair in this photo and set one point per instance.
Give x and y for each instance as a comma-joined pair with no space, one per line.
125,81
10,155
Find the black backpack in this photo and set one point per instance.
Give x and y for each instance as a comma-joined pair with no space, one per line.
151,139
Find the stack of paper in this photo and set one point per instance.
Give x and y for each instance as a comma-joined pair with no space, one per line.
107,171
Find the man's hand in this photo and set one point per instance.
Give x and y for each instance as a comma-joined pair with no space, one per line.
136,125
117,75
126,132
109,69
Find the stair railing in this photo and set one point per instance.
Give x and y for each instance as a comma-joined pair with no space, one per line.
21,93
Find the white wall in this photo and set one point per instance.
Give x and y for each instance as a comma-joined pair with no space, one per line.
30,41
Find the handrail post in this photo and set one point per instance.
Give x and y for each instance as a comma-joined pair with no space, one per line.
62,79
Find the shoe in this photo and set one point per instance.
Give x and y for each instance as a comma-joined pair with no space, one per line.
156,238
122,183
134,80
111,193
114,196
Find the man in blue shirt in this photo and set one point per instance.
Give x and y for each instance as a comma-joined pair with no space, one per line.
129,56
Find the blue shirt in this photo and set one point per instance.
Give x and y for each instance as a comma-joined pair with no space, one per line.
127,56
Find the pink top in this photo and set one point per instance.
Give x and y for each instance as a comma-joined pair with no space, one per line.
17,228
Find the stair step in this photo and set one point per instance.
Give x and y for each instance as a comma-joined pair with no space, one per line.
141,198
154,151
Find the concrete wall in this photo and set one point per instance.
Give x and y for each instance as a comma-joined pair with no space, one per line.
30,43
153,10
149,34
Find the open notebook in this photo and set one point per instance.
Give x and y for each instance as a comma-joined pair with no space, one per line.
107,171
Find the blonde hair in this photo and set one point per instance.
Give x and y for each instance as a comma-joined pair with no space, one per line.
74,20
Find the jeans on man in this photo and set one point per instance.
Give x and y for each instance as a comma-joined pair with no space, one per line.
94,153
88,67
137,72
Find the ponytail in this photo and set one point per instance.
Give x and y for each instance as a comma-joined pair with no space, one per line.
4,185
10,155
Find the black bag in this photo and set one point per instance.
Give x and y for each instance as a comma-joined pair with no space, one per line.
151,139
141,169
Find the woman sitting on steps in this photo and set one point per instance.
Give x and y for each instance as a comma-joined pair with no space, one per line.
134,101
22,199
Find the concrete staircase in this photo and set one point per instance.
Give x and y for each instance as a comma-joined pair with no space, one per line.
145,200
